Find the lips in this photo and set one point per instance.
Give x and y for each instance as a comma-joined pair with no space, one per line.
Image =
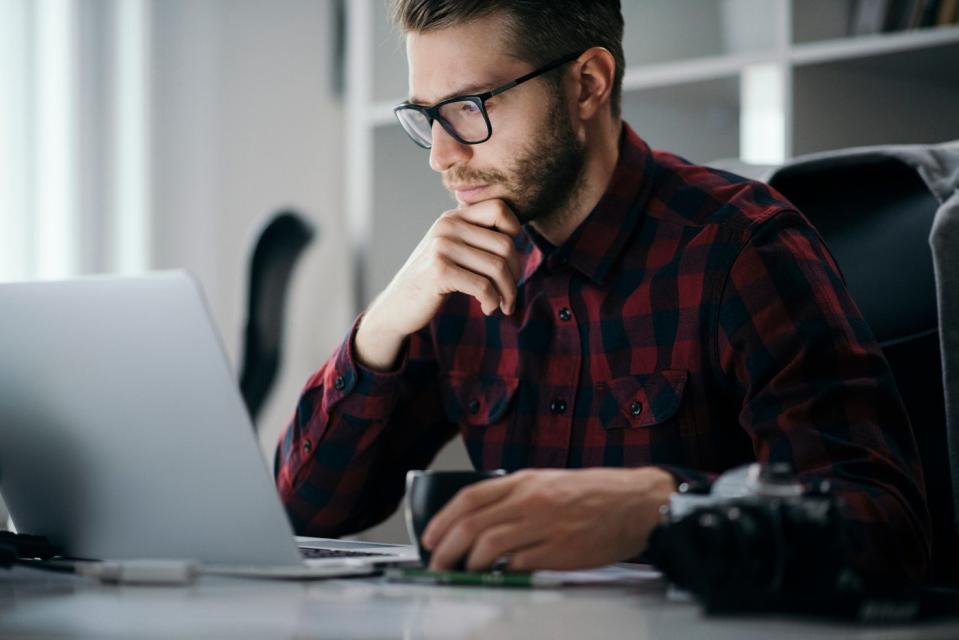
468,193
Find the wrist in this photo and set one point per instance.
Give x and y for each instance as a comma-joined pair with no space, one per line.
376,345
663,482
653,488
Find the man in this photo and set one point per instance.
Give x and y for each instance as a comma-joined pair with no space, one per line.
608,321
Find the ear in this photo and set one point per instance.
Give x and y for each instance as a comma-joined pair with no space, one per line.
594,73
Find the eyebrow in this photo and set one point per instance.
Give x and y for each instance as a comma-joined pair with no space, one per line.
468,90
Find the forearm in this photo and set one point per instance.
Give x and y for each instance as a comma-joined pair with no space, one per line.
341,462
324,457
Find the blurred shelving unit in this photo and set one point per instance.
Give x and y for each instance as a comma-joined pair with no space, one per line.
759,80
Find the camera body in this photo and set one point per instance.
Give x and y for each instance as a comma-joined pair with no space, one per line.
758,540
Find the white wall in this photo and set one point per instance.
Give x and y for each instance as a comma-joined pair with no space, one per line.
244,122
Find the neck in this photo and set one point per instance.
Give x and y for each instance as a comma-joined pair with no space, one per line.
602,154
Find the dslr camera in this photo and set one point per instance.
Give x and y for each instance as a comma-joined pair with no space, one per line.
759,539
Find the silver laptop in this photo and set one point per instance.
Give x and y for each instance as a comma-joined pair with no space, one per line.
123,433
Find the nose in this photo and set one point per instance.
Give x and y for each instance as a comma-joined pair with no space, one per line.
446,150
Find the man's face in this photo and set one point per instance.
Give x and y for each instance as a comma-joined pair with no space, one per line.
533,160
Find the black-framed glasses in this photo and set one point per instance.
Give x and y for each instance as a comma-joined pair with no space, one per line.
463,117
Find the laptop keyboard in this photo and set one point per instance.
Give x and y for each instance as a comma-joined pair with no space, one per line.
312,552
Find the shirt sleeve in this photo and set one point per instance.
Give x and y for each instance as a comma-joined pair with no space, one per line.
816,391
341,463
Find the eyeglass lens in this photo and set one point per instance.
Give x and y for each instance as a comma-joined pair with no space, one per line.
417,125
465,117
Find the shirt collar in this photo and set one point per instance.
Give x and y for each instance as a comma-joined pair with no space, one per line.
599,240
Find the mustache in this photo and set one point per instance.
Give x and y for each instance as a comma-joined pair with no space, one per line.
473,176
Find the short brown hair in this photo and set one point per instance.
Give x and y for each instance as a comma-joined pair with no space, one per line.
541,30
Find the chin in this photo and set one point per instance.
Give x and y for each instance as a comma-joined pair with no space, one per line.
481,197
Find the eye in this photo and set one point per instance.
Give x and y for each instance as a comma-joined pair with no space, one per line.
469,107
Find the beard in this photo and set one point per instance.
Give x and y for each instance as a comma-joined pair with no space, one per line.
545,177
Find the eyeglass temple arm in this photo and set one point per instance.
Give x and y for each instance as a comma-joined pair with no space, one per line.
533,74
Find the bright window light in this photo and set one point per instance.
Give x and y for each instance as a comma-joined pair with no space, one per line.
14,126
46,101
131,197
762,127
54,179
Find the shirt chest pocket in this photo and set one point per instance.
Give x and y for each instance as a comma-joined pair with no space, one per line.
476,400
641,401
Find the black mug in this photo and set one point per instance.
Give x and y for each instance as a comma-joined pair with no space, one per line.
428,491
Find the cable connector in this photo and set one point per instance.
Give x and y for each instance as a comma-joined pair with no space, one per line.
142,572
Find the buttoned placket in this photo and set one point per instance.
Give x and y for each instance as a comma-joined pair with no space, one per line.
553,436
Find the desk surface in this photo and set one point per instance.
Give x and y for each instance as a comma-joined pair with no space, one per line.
36,605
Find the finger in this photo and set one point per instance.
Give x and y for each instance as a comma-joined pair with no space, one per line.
465,532
467,500
499,540
456,278
541,555
493,214
554,554
486,264
498,242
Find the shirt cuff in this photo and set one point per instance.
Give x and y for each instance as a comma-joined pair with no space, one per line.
357,390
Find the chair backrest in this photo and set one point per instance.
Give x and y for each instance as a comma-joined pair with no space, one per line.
875,213
275,252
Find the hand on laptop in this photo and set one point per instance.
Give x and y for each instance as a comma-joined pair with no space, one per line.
469,250
550,519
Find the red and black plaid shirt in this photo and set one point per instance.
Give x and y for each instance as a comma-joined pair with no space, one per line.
695,320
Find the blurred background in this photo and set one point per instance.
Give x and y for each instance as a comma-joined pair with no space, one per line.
151,134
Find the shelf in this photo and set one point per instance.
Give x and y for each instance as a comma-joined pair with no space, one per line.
872,45
689,71
875,99
708,28
818,20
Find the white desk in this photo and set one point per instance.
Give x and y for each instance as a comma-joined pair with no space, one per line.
35,605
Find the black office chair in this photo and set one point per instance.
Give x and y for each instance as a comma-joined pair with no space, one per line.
875,214
275,253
